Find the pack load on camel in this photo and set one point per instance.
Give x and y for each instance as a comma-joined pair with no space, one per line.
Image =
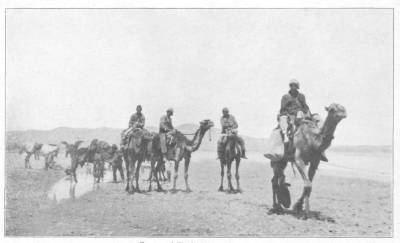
305,144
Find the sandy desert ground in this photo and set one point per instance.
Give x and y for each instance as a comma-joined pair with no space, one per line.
350,198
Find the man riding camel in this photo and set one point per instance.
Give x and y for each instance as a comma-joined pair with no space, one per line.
137,120
228,122
166,128
293,109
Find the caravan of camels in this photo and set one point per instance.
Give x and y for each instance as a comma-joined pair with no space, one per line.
301,139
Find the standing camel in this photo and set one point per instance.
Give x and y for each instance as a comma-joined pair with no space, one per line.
134,155
309,142
182,149
98,153
232,152
78,156
30,149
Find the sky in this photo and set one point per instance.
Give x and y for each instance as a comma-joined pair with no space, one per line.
90,68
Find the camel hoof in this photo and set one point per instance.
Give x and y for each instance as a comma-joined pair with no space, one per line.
131,191
173,191
220,189
276,210
239,190
160,190
188,190
298,208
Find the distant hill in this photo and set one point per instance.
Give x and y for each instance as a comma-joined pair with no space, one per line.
112,135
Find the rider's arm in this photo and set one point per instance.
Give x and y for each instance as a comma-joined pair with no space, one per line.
141,121
234,124
302,99
131,121
163,125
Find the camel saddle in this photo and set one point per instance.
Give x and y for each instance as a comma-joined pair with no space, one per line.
289,148
141,133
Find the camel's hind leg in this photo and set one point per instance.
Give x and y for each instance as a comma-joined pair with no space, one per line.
160,163
176,169
238,189
221,187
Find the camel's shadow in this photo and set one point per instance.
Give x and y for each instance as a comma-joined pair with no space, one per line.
316,215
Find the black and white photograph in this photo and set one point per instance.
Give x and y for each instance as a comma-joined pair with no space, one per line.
199,122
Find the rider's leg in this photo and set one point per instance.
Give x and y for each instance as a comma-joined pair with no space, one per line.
242,146
163,144
284,124
220,148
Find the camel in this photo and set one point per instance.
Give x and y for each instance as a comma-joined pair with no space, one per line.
182,149
232,152
134,155
29,149
78,156
98,153
309,142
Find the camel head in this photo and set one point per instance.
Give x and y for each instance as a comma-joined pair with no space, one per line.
336,112
206,124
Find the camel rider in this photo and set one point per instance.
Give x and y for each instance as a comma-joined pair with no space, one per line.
166,128
137,120
228,122
293,109
293,106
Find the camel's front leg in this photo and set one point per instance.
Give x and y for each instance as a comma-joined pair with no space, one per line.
130,171
229,175
238,189
187,161
221,187
176,167
301,167
139,163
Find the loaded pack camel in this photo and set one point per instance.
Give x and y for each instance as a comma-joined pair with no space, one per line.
29,149
48,151
232,152
78,157
309,143
98,153
182,149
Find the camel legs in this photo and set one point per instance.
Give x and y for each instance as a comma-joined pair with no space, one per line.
229,175
301,167
176,167
139,163
187,161
129,173
238,189
221,187
160,163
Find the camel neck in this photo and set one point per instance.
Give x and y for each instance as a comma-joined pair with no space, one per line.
327,131
196,141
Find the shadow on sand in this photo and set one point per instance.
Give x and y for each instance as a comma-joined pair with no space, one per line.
316,215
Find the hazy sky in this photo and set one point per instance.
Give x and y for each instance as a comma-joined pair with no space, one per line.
90,68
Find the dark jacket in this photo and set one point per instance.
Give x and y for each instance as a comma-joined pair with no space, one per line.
291,103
